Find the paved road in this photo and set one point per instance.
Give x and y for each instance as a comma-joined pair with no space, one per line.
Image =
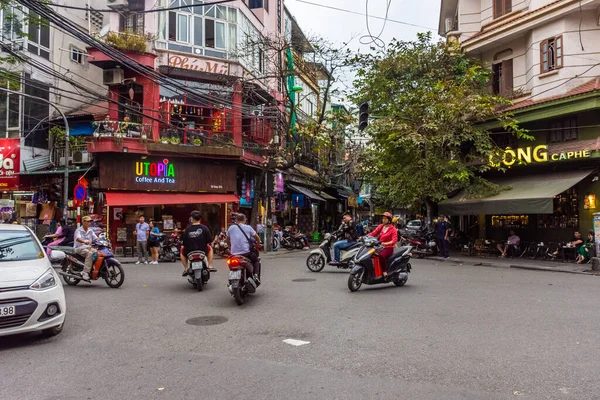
454,332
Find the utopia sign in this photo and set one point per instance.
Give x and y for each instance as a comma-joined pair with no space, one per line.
538,154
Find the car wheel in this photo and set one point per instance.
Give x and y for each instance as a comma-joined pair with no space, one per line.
55,330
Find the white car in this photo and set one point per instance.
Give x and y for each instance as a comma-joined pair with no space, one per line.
31,294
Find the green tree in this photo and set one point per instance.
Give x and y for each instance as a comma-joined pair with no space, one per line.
426,141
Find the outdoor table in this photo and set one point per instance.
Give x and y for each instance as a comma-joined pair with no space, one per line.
567,249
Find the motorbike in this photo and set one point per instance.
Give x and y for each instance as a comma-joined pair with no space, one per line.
318,258
424,244
239,285
220,247
105,266
198,272
291,241
367,270
168,248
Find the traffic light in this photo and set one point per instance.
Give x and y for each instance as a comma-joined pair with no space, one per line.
363,116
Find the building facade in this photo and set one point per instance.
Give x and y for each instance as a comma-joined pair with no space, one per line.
544,56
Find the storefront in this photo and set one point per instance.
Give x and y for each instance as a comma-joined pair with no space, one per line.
546,198
165,190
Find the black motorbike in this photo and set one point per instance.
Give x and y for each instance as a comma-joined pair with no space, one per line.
367,270
239,285
168,248
291,241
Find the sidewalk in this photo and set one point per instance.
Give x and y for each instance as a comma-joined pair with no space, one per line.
520,263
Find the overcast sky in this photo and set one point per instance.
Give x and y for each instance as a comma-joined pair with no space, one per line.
341,27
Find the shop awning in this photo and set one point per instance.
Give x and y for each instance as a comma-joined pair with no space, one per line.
308,193
326,196
530,194
156,199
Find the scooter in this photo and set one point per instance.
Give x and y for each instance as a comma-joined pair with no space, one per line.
291,241
318,258
240,285
367,270
105,265
220,246
424,245
198,272
168,249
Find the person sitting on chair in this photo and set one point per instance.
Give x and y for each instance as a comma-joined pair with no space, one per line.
513,242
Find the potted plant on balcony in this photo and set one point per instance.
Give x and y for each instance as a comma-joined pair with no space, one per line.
197,142
175,140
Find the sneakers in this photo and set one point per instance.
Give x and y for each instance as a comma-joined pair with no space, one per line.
306,248
146,262
85,276
154,262
257,280
138,262
185,273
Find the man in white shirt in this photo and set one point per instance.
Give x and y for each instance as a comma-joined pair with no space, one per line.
82,243
239,236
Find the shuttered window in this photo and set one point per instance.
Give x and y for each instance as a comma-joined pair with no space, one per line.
502,7
502,79
551,54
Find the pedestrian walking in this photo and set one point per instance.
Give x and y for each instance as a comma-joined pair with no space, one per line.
142,232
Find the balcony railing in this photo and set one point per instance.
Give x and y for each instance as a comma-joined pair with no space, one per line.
121,129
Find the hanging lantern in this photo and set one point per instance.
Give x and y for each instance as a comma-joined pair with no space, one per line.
131,93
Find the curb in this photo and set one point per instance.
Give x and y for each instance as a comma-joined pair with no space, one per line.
515,266
566,271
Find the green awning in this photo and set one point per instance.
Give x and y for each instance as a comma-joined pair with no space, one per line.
53,171
529,194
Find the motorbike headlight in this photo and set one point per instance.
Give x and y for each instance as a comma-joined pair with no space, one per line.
46,281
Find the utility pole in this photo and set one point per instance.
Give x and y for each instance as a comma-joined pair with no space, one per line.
66,184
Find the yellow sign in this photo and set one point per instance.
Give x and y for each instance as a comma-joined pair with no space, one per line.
538,154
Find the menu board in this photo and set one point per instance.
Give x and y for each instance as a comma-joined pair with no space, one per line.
121,234
168,223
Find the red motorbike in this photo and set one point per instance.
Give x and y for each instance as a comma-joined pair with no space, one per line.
423,244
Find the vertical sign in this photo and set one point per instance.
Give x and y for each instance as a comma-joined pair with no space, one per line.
10,163
597,233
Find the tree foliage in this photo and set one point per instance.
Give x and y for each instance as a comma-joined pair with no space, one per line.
427,102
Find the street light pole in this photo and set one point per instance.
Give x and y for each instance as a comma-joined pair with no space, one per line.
66,185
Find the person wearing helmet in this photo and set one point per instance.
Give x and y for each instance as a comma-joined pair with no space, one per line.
388,236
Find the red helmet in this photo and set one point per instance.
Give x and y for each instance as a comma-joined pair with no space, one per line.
389,215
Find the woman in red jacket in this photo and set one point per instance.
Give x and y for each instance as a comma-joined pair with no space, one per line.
388,236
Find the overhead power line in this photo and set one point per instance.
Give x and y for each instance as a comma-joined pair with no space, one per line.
365,15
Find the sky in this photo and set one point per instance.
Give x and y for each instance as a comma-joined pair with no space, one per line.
341,27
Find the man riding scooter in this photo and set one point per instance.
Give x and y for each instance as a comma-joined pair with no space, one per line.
347,231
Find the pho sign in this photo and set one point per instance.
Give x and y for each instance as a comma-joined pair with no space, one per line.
537,154
199,64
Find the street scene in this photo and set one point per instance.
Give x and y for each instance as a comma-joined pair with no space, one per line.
267,199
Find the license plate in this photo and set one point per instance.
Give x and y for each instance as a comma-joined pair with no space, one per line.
235,274
7,311
196,265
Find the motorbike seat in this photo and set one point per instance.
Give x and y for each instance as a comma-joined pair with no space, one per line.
353,246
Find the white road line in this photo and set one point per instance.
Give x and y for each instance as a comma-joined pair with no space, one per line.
295,342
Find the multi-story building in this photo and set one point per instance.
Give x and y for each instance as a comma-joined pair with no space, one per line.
545,57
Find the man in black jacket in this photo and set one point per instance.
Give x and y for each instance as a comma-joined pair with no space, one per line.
348,234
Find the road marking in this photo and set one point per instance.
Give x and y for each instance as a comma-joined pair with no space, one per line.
295,342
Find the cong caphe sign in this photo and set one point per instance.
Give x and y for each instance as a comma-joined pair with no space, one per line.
139,173
534,155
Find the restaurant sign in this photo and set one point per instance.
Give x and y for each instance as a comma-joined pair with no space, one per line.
155,172
199,64
537,154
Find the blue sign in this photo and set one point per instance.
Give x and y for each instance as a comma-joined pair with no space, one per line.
79,192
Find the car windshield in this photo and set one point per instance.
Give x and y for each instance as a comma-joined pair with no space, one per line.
18,246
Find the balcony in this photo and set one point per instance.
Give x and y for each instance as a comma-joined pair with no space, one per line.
138,47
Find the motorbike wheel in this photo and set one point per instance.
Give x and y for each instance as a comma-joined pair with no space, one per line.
114,275
237,295
355,281
315,263
275,244
401,282
289,245
68,280
199,285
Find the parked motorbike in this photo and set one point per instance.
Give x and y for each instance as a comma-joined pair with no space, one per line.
239,285
220,247
367,270
168,248
105,266
198,272
291,241
318,258
423,243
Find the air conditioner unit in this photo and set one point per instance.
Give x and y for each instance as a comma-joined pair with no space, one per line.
113,77
449,24
81,157
116,4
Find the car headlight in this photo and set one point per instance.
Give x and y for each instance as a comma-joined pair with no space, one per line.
46,281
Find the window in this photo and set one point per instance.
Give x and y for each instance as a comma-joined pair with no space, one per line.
209,33
551,54
18,246
95,18
39,36
502,78
10,106
563,130
35,111
183,28
502,7
132,23
77,55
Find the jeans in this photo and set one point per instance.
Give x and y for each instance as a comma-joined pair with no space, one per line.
142,249
338,247
443,247
88,253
